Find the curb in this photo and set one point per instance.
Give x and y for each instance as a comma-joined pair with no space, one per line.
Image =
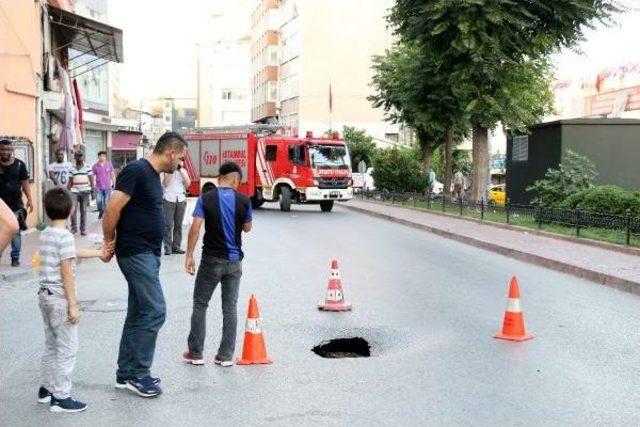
581,241
594,276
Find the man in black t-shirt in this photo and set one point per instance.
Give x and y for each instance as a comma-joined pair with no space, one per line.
14,180
134,218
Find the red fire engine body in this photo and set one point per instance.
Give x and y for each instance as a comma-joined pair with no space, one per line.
274,167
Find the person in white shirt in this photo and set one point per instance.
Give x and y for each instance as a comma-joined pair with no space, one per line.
59,170
174,202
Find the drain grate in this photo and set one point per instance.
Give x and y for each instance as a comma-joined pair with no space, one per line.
343,347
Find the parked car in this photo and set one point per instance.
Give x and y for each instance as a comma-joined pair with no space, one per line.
497,195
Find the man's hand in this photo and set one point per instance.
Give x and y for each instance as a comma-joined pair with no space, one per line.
74,314
29,206
108,249
190,265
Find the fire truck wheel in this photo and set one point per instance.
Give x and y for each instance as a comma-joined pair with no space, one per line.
256,203
285,199
326,206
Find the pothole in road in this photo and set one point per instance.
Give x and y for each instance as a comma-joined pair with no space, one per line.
343,347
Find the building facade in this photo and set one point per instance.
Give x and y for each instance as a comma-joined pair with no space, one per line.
44,46
20,85
265,32
223,83
323,70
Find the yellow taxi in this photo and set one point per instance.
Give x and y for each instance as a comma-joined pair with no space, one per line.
497,195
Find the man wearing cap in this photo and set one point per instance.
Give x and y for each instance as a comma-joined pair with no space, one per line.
14,181
226,214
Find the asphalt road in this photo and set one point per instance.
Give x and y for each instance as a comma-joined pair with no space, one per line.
427,305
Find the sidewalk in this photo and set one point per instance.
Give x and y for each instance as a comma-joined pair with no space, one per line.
608,267
25,273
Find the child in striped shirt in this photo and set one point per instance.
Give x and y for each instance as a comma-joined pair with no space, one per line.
58,304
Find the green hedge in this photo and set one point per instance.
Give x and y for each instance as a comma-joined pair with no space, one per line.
398,170
606,199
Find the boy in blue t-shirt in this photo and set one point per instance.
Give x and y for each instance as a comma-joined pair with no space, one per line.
226,214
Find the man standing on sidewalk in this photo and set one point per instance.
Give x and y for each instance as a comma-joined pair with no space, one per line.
174,205
226,214
134,218
82,187
105,177
59,170
14,180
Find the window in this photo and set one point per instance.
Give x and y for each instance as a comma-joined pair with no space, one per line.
393,137
520,151
297,154
271,153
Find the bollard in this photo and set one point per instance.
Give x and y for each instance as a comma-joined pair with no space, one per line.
460,203
577,217
482,208
506,208
444,203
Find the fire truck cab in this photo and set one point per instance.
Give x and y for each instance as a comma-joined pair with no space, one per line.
276,168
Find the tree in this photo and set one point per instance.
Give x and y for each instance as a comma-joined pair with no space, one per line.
361,145
494,52
575,174
411,89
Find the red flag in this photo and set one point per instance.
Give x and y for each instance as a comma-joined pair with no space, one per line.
330,99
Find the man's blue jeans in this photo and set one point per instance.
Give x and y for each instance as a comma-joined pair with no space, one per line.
16,245
102,198
145,314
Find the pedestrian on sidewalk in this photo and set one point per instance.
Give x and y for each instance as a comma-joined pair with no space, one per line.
105,177
60,170
8,225
134,219
458,184
174,204
14,182
226,214
82,186
58,303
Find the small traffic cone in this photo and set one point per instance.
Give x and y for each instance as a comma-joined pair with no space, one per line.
254,351
335,297
513,326
35,261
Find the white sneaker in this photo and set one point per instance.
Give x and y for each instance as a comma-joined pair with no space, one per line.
223,363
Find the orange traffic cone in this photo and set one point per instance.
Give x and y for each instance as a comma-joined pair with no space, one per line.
254,351
334,300
513,326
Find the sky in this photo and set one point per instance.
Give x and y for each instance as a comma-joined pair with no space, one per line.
160,39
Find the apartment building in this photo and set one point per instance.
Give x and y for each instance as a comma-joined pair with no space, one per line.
318,77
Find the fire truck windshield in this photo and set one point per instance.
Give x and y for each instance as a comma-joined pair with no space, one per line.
329,156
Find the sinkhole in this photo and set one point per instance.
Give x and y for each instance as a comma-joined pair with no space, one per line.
343,347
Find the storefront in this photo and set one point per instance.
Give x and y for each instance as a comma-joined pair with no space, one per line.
124,148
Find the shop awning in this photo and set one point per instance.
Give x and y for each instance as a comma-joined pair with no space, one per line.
86,35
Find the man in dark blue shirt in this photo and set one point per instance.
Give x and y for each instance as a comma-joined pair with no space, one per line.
226,214
134,218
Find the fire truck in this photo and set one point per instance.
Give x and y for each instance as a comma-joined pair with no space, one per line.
275,168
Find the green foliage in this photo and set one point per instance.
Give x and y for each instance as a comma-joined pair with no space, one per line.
492,54
461,161
397,169
361,145
413,90
607,199
575,174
